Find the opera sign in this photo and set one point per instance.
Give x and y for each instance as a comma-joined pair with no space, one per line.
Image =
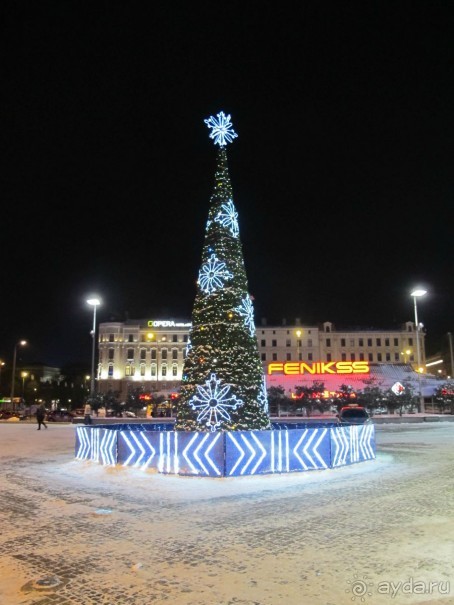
292,368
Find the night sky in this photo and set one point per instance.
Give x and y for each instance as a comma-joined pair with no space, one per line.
341,172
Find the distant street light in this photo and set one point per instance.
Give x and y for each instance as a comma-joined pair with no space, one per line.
406,354
2,363
23,376
21,343
94,302
298,343
416,293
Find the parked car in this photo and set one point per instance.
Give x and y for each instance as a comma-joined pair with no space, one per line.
6,415
60,416
353,414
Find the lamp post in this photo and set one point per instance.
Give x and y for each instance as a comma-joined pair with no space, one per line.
450,352
416,293
298,343
2,363
94,302
22,343
23,376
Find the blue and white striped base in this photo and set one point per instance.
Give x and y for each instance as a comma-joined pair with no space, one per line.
224,453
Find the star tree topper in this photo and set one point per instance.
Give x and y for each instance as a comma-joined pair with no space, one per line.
222,132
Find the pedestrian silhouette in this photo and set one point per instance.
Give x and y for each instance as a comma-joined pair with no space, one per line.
40,417
87,414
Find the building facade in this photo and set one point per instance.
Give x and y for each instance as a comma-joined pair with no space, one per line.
150,353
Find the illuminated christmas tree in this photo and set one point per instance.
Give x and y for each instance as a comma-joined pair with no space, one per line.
223,385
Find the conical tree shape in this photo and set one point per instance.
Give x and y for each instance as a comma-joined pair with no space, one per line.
223,383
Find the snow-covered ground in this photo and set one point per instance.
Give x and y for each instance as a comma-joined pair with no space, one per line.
376,532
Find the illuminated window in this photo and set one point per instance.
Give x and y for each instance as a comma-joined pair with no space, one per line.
110,370
142,369
164,370
128,370
153,369
174,370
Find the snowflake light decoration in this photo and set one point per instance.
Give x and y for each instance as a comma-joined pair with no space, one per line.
246,310
228,217
212,275
188,345
263,397
222,132
214,402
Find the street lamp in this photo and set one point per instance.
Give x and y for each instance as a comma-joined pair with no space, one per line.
22,343
298,343
2,363
406,355
416,293
23,376
94,302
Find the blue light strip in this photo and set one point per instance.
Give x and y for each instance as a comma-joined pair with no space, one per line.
227,453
